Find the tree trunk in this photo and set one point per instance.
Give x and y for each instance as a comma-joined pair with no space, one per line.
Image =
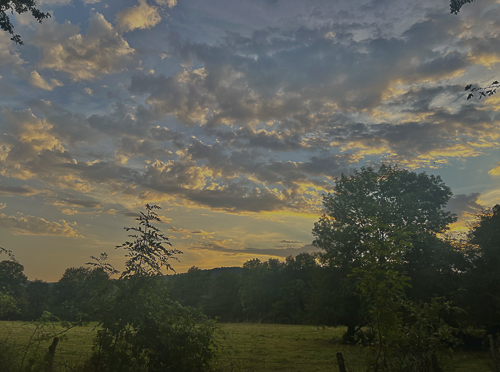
349,335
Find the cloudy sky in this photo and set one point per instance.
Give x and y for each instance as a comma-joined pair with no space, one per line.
235,116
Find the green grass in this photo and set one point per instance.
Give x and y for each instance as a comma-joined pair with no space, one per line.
252,347
275,347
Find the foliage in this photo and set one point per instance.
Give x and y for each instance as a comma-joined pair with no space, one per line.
7,304
13,282
223,300
82,292
260,285
456,5
382,285
12,278
479,289
191,288
143,330
146,331
424,336
409,337
18,6
38,295
375,206
485,92
31,355
147,254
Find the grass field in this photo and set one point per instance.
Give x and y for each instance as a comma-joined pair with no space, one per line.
253,347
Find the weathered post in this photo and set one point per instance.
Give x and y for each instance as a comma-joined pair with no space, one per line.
52,352
341,363
494,352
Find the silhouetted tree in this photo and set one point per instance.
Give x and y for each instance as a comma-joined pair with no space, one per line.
38,295
13,282
80,292
480,293
393,199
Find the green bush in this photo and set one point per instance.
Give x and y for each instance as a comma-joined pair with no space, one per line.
146,331
141,328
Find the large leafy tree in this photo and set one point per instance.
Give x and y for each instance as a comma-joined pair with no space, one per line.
13,283
80,292
18,6
396,198
375,205
38,295
480,295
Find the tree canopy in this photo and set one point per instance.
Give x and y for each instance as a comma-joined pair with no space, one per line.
390,198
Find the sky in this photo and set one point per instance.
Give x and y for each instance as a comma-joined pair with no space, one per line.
234,116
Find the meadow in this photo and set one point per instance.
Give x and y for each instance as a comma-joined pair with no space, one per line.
248,347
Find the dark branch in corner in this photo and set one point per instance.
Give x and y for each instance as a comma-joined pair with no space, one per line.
487,91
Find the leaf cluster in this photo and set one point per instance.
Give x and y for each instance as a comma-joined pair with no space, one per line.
148,253
485,92
18,6
456,5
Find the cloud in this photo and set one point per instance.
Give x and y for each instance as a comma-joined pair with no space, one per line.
296,74
277,252
55,2
32,149
255,122
495,171
322,88
138,17
169,3
37,81
70,201
464,204
84,57
30,225
17,190
9,53
187,231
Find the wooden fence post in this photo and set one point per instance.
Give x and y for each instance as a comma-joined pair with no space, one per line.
341,363
494,352
52,352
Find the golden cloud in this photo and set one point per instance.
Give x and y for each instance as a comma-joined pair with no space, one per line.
495,171
138,17
30,225
37,81
84,57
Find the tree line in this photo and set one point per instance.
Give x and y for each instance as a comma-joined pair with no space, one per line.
316,288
